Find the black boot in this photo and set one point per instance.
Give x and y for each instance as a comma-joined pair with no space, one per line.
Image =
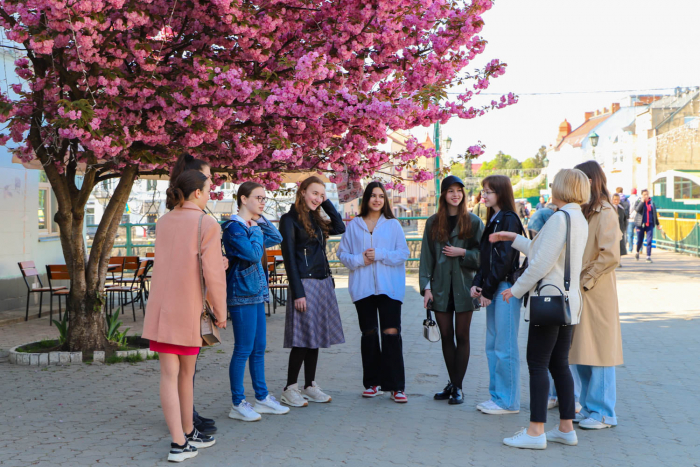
457,397
445,393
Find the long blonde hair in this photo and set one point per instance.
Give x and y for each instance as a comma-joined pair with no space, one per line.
303,210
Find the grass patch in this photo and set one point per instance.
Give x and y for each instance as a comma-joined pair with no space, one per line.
43,346
155,356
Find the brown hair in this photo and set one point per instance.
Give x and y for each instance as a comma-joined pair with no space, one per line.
305,214
599,189
618,189
184,185
186,162
440,230
504,192
245,190
364,206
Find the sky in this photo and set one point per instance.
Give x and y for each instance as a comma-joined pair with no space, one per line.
567,46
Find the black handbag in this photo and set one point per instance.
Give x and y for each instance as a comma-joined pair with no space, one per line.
554,310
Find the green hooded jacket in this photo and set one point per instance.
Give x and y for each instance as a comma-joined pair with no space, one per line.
440,270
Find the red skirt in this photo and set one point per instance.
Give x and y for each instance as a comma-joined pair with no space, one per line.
162,347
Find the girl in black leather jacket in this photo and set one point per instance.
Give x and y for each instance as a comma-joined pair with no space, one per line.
313,319
498,263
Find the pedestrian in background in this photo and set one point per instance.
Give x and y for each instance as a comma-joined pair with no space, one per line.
312,320
645,219
480,209
596,346
449,259
498,263
541,204
631,231
548,345
622,217
175,304
245,239
624,202
375,251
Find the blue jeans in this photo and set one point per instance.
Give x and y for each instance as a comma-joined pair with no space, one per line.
598,392
630,236
649,232
577,384
502,323
250,334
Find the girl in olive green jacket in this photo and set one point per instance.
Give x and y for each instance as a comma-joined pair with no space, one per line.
448,261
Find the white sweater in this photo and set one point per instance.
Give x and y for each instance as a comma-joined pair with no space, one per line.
387,275
546,259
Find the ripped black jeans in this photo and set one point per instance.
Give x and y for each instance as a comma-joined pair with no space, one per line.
381,366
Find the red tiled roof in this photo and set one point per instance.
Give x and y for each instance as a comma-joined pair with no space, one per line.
476,167
576,137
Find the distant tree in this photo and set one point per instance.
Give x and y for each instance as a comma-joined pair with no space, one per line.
513,164
459,170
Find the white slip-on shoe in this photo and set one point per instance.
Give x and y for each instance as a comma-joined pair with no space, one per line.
552,402
495,409
269,405
314,394
524,441
556,436
593,424
579,417
292,397
483,404
244,411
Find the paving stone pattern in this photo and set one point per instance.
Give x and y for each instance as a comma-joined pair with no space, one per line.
109,414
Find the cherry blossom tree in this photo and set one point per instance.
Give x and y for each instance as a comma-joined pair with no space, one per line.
114,89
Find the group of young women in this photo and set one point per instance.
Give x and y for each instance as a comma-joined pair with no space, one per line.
464,266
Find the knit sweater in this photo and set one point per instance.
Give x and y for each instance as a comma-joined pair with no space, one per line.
546,259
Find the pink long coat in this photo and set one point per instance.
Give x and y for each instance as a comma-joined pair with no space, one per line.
175,301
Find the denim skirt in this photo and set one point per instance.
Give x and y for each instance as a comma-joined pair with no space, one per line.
319,326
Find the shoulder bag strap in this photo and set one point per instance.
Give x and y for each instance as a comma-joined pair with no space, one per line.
567,260
199,257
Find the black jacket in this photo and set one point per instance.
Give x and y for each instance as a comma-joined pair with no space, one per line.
639,208
506,259
305,256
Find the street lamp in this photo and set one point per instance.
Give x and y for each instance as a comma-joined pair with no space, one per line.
594,141
448,143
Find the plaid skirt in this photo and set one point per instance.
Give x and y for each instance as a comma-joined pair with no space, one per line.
319,326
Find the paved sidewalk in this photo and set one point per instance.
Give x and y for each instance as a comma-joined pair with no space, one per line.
110,415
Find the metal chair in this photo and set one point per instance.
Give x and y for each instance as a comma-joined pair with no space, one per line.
57,272
135,285
28,269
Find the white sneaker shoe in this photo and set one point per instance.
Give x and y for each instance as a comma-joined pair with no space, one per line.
244,411
495,409
578,407
557,436
271,406
484,404
314,394
524,441
579,417
552,402
592,424
292,397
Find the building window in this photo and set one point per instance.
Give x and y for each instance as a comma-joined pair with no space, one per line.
90,216
685,189
660,188
47,207
125,219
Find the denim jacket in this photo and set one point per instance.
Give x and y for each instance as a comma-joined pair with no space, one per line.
246,279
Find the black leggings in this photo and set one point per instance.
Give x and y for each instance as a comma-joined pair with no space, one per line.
455,326
299,355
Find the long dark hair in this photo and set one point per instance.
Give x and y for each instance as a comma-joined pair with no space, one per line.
305,213
245,190
599,189
184,185
504,191
367,195
186,162
441,230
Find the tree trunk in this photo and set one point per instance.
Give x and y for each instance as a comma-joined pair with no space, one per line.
86,331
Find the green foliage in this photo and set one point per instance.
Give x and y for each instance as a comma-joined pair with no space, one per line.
62,328
458,170
113,324
40,347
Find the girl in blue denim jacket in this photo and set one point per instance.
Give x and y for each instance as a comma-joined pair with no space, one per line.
245,238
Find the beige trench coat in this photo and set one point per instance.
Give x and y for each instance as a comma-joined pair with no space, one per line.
597,339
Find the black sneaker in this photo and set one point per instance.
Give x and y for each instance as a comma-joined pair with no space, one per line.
205,429
180,453
199,420
445,393
649,259
199,440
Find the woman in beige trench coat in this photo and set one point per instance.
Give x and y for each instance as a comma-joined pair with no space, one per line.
596,347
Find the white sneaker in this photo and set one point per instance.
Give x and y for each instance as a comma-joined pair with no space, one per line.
271,406
578,407
552,402
524,441
244,411
579,417
557,436
314,394
292,397
592,424
484,404
495,409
